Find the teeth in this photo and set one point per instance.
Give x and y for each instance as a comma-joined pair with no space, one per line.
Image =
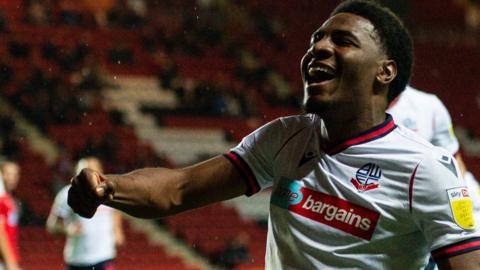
316,71
321,69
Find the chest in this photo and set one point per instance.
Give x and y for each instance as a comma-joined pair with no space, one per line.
349,192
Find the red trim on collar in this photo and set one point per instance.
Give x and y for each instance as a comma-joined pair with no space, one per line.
369,135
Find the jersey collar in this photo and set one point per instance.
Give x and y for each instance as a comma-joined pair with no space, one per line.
369,135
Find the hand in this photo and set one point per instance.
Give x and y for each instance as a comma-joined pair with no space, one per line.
73,229
89,189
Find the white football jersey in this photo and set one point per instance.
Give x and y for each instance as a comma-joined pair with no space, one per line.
96,241
384,199
425,114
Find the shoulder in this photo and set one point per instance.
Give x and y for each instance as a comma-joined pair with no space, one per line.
286,126
439,169
62,195
421,155
303,120
410,140
410,148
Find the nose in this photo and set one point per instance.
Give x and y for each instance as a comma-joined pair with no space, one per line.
322,48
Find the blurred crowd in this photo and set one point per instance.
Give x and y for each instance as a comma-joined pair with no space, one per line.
62,88
53,74
56,78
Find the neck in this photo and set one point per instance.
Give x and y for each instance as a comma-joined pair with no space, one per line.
341,126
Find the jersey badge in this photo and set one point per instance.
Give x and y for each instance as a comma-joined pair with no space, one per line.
462,207
449,164
367,177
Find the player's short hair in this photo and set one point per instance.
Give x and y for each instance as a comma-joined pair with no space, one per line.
85,162
394,37
6,162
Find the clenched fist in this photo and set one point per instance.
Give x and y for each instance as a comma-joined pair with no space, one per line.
88,190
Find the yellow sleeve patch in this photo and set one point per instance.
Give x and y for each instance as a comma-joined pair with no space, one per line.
462,207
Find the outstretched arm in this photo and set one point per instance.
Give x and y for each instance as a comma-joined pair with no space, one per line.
56,225
157,192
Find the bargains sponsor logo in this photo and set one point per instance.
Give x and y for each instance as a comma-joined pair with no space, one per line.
329,210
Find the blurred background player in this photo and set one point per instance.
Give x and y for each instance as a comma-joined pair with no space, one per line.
90,243
425,114
9,177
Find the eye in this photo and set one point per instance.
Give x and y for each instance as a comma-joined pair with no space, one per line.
343,41
316,37
344,38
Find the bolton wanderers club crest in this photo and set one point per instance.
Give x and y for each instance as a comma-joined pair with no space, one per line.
367,177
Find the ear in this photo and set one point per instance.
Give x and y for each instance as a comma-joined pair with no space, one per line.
386,72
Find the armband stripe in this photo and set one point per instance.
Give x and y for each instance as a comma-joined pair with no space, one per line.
245,171
457,248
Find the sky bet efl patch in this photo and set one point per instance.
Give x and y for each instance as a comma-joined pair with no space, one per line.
462,207
324,208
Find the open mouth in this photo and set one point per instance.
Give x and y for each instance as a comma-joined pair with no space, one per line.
320,73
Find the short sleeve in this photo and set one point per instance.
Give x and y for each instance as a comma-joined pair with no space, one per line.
442,207
443,134
254,156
